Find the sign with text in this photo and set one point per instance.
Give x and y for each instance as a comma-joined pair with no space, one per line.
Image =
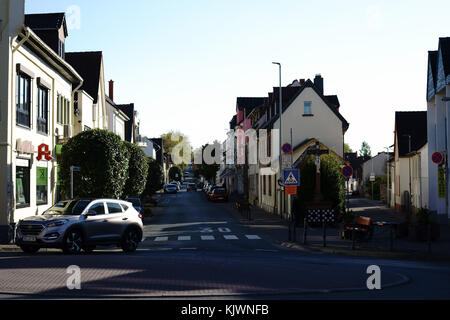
290,190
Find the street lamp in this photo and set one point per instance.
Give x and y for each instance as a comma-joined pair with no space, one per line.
281,132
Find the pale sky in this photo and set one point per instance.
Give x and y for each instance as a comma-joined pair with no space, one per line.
183,63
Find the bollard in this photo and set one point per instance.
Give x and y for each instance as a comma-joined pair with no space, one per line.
304,230
353,238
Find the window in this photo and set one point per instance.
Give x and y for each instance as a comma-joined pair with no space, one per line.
23,185
41,185
270,185
99,208
63,112
42,114
307,107
114,207
23,100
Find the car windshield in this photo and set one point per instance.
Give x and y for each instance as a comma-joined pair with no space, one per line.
219,191
135,201
68,208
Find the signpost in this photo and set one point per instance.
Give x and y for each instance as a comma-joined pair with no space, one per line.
72,170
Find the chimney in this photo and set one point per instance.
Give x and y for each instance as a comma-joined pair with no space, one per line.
318,82
302,82
111,90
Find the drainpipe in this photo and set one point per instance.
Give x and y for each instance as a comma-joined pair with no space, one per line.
14,49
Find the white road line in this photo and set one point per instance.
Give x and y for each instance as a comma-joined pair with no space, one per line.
208,238
252,237
161,238
231,237
184,238
188,248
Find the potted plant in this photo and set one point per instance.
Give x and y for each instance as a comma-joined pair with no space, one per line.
422,225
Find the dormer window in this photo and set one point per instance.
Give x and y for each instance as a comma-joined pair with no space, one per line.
61,49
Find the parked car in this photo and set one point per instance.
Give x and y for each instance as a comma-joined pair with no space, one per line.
137,204
177,184
82,224
191,187
217,194
170,188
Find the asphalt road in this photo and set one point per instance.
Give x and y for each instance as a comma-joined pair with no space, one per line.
196,249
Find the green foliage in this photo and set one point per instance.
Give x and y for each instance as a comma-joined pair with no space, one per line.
331,180
208,171
368,185
347,148
365,150
155,177
175,174
103,160
170,140
137,171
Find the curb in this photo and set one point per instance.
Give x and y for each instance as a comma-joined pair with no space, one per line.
364,253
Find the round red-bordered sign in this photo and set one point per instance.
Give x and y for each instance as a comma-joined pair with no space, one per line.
437,157
286,148
347,172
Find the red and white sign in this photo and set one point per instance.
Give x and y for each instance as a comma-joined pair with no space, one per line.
43,152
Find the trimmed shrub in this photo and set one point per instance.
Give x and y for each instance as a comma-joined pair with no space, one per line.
155,177
103,160
137,171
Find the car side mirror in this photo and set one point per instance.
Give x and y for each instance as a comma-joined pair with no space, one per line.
91,213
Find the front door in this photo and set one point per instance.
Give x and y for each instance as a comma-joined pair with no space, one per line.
97,226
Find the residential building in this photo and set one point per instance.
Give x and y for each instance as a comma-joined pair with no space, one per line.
36,105
410,169
116,117
438,117
91,112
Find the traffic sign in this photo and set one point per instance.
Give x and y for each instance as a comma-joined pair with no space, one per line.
372,177
290,190
286,148
286,161
291,177
347,172
437,157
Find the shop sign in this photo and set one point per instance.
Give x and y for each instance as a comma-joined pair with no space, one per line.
24,146
43,152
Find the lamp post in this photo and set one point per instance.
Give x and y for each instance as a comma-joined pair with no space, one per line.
281,132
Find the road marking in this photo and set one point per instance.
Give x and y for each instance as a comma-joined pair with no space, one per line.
225,230
161,238
184,238
252,237
208,238
188,248
231,237
160,249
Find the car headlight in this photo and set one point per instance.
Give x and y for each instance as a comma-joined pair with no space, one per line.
56,223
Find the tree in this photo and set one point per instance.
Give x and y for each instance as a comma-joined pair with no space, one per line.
137,171
155,177
208,171
170,140
103,160
365,150
347,148
175,173
331,180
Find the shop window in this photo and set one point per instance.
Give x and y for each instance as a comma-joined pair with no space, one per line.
41,186
22,186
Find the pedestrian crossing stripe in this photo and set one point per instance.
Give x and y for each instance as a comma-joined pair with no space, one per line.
291,179
207,237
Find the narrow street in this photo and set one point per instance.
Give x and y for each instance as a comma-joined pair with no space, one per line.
195,248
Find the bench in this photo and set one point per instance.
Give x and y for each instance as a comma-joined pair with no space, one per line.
362,229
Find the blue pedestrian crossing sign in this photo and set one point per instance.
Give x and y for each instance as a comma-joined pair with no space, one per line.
291,177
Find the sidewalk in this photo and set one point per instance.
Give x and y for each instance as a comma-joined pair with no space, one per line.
272,226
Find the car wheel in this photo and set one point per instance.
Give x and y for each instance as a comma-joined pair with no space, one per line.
29,249
72,242
130,240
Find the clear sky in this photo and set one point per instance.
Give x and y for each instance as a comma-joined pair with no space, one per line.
183,63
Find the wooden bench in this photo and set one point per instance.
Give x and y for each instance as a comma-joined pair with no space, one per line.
362,229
